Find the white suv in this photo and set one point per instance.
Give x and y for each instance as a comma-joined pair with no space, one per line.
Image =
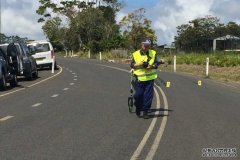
44,53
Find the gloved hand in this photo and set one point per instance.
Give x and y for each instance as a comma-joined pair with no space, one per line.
145,64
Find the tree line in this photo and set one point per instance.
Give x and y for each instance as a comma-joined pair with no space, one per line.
79,25
9,39
198,35
91,25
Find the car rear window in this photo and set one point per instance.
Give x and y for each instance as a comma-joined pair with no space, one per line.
43,47
2,54
4,48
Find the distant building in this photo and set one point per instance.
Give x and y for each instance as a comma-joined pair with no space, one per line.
227,43
167,48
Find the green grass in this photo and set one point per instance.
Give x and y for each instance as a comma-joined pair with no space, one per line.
219,59
215,59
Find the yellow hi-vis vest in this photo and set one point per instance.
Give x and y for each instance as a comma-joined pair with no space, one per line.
144,74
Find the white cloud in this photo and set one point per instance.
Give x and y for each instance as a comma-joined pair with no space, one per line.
227,10
19,16
21,20
167,16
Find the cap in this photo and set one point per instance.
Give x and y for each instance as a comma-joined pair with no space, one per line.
147,42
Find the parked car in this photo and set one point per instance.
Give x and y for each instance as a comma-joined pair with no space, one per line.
44,53
8,70
25,63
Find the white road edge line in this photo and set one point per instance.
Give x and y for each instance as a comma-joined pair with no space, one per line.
161,129
5,118
75,79
71,84
47,78
158,137
65,89
148,133
2,95
37,104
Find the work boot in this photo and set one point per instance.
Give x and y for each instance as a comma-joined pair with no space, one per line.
145,114
138,112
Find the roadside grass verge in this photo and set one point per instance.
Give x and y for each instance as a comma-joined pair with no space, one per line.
223,66
225,74
219,59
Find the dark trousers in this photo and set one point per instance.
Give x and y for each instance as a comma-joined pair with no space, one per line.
143,94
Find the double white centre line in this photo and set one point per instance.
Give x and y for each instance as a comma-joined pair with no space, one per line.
138,151
158,137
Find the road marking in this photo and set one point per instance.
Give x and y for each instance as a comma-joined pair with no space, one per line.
161,129
71,84
2,95
37,104
6,118
65,89
70,71
148,133
158,137
199,82
73,73
47,78
75,79
55,95
168,84
75,76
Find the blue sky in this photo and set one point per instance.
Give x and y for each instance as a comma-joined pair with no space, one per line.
140,3
166,15
19,16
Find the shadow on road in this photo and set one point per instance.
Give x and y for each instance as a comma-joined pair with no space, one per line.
152,111
159,109
23,79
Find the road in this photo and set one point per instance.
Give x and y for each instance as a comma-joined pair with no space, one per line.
81,113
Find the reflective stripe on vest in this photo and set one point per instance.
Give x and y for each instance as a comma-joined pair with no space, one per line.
142,73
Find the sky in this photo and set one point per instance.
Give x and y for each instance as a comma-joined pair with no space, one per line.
18,17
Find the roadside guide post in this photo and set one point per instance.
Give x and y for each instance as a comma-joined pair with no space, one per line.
66,53
53,59
207,67
100,54
174,63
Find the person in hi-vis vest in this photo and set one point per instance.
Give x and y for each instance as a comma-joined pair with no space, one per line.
144,67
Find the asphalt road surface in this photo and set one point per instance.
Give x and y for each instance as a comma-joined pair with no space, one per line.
80,112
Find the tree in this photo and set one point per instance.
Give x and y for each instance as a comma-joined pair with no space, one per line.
233,29
89,26
55,33
135,27
198,34
66,8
